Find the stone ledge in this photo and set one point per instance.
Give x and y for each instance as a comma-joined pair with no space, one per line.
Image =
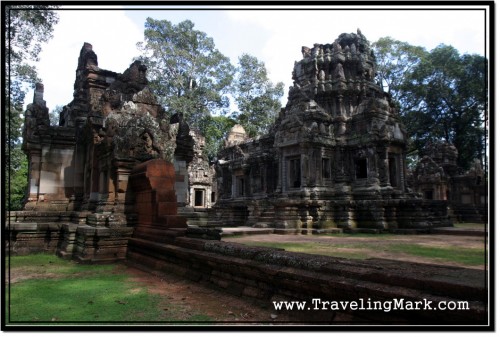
264,273
459,231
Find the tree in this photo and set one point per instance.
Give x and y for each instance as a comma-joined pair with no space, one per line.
258,99
442,95
27,27
215,129
186,71
54,115
396,61
16,175
453,92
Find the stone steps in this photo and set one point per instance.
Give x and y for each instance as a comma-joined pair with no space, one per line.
195,217
232,231
470,213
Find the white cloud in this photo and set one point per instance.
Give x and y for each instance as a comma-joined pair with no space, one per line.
112,35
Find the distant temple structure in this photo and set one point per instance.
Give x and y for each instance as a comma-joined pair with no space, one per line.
437,177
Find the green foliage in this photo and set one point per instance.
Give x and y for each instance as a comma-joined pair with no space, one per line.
258,99
215,129
43,264
17,164
54,115
396,60
442,95
17,181
191,77
27,28
186,71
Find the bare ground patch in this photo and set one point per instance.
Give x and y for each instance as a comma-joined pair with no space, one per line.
189,298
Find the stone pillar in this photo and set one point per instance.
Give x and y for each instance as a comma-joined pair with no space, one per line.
153,185
281,172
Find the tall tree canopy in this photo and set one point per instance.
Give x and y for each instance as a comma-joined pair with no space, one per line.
258,99
192,77
442,95
396,60
186,71
215,129
27,28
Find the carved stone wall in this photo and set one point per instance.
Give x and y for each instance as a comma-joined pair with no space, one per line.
81,167
265,274
437,177
201,175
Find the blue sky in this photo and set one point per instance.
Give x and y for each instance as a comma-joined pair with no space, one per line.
274,36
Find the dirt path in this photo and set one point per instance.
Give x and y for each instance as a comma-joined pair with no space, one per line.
191,298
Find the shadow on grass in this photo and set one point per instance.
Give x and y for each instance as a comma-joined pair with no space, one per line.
87,294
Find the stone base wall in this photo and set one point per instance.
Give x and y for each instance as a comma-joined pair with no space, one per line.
316,214
267,274
30,232
470,213
30,238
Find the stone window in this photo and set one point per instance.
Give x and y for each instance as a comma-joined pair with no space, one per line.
466,199
393,172
199,196
326,168
240,188
294,174
361,169
258,176
429,194
262,178
103,183
213,197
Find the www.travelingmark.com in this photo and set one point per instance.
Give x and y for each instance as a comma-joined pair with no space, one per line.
368,304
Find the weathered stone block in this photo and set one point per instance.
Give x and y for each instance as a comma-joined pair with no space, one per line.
167,208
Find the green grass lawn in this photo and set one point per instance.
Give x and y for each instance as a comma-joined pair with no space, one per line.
61,291
466,256
469,225
386,242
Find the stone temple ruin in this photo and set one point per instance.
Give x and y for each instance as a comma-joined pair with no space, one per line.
437,177
334,159
80,170
118,180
